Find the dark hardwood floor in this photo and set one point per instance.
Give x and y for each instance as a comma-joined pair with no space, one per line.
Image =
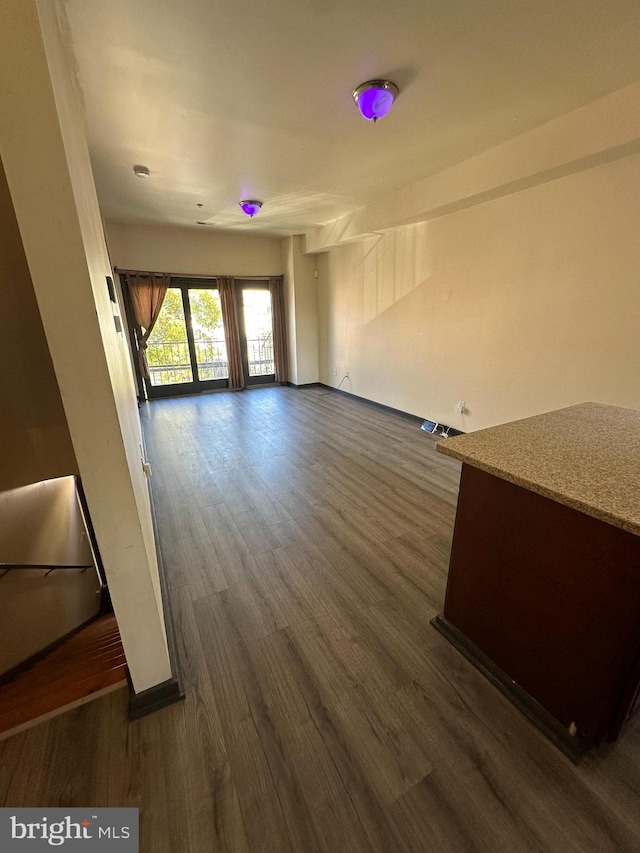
306,539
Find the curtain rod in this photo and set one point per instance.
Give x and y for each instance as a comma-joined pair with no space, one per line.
191,275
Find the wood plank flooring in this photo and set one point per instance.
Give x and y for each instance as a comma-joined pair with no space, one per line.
306,538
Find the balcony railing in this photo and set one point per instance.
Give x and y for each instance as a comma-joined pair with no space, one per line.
211,358
260,355
170,364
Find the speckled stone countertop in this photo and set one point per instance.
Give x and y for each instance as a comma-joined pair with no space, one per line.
586,457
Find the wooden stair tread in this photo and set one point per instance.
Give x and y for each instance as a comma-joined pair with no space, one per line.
71,675
66,657
89,662
57,701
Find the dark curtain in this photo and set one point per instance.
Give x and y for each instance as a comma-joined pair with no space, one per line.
227,291
278,318
147,291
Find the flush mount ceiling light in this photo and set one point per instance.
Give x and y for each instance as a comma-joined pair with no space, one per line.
250,206
375,98
141,172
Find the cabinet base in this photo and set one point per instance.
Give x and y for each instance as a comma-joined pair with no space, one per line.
574,747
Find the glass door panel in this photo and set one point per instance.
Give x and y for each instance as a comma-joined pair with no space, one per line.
168,352
187,351
208,334
258,333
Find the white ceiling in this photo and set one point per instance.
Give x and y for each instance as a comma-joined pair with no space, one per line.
247,99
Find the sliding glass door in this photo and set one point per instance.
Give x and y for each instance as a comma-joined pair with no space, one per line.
186,351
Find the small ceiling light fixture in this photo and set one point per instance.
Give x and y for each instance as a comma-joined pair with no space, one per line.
375,98
141,172
250,206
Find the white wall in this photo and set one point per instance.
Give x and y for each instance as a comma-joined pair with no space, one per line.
301,297
34,437
519,305
290,306
42,524
306,313
193,251
46,160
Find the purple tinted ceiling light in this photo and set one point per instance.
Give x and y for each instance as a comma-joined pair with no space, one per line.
250,206
375,98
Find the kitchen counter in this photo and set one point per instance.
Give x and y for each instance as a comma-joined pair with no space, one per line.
586,457
543,592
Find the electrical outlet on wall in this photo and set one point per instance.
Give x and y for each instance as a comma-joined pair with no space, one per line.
461,408
335,371
346,373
